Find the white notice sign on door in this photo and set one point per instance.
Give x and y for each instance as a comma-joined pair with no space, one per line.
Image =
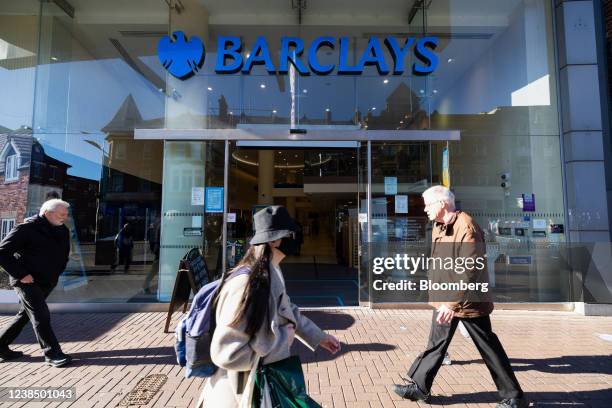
197,195
401,204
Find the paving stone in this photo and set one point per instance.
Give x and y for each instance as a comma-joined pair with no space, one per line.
558,358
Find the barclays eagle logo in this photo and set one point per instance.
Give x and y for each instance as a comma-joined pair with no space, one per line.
181,57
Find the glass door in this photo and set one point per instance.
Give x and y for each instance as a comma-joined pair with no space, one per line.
318,182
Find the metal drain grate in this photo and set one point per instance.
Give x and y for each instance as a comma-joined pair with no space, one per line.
145,390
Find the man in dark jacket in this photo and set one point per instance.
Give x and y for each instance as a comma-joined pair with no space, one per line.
457,237
34,254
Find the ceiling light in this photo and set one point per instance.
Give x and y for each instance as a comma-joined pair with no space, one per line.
451,60
327,109
422,91
262,86
386,81
435,91
305,90
373,107
209,88
274,111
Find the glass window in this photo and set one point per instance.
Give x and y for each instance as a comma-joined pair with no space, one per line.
7,226
89,82
97,79
120,150
10,170
188,219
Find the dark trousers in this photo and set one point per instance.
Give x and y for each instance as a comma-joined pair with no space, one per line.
34,309
123,257
427,364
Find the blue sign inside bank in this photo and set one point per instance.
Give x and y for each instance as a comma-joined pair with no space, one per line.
183,57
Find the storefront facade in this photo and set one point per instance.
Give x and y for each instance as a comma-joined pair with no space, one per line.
345,115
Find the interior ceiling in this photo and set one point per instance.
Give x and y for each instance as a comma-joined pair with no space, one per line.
358,11
282,12
136,24
487,8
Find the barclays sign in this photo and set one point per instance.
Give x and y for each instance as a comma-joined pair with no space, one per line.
183,57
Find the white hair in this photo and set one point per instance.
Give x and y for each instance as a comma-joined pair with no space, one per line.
52,205
440,193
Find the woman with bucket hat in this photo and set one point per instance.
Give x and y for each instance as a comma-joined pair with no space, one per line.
255,320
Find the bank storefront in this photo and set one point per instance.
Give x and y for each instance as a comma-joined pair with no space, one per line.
167,124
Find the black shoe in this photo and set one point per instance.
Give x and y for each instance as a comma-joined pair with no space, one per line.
58,360
8,355
513,403
411,392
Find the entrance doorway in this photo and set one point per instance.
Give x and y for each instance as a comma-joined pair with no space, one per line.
318,183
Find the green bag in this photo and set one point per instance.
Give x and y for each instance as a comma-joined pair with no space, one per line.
286,384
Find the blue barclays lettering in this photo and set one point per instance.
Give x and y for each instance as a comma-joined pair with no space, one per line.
344,67
233,52
398,54
183,57
373,55
293,57
260,54
425,54
312,55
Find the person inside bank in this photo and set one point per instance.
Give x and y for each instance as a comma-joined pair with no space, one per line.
255,318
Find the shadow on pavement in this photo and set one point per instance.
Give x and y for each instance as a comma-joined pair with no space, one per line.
580,399
330,320
74,327
566,365
321,355
145,356
597,364
334,321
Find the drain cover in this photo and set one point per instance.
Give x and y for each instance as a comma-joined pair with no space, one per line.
145,390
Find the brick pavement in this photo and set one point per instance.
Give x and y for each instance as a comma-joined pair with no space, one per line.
558,357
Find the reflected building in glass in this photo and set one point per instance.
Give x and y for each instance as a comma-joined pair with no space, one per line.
511,119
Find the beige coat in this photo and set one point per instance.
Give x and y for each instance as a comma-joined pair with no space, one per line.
234,352
461,237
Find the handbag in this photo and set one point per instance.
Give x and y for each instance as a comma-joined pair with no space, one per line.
281,385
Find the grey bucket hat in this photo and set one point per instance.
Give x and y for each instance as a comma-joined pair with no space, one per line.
272,223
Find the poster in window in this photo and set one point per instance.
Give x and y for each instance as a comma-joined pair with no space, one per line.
445,168
528,203
390,185
401,204
214,199
197,195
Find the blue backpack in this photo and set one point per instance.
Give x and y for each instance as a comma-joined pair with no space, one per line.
194,332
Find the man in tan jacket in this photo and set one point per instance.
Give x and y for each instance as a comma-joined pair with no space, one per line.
458,240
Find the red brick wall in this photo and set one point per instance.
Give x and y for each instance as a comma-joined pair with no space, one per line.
14,196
